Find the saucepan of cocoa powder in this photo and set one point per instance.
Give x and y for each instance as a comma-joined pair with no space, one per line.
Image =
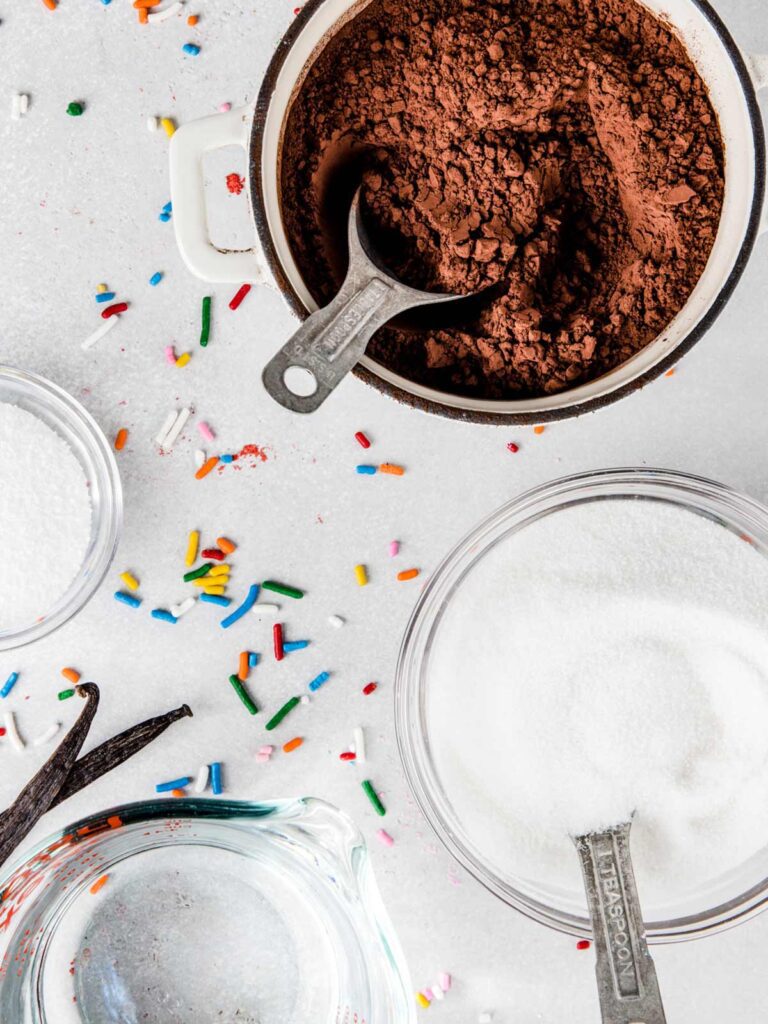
595,169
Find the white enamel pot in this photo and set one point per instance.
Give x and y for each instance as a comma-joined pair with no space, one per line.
733,81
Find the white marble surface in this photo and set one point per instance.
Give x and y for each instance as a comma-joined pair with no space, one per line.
79,200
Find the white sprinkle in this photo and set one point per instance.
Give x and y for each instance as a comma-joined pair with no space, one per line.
304,699
177,610
15,107
336,621
9,720
485,1017
168,422
437,992
200,457
201,782
359,744
153,123
153,19
23,102
99,333
265,609
47,736
177,428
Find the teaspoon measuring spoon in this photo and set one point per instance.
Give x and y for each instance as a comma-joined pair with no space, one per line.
626,975
331,341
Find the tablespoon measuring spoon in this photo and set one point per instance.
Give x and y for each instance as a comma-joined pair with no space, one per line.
626,975
331,341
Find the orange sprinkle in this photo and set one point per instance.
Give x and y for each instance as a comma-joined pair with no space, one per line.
139,4
71,674
115,821
292,744
50,4
122,437
539,430
670,373
242,672
98,884
388,467
206,467
225,545
143,16
192,19
408,574
178,792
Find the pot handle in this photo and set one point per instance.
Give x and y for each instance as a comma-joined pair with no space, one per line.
189,144
757,64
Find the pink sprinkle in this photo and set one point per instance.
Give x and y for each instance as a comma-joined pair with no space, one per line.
394,548
385,837
444,981
170,355
429,994
266,749
261,758
206,431
224,107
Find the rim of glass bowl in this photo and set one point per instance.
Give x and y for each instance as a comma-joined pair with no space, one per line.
307,821
67,416
698,494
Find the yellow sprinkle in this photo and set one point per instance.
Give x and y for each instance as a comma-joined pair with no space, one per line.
206,581
101,288
168,125
361,575
218,591
219,570
129,580
183,359
422,1000
192,546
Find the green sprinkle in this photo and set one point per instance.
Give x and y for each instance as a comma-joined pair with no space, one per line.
373,796
197,573
280,588
66,694
242,693
206,328
75,109
277,719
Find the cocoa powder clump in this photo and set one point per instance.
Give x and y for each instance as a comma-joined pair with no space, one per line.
562,156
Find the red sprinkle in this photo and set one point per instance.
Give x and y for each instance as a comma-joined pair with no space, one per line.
277,636
2,731
235,184
214,553
512,447
369,688
239,295
583,944
347,756
362,440
114,309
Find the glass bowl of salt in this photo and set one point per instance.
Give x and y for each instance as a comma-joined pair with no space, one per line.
60,506
597,651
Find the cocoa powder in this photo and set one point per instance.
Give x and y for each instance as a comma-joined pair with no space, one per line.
561,156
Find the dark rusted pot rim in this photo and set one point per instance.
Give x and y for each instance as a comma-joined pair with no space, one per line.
545,416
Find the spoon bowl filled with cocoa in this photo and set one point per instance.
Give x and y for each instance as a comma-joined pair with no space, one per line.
595,170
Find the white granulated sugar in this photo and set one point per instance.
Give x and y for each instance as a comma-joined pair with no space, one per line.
45,512
610,658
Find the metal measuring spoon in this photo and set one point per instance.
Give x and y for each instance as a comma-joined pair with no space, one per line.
332,340
626,976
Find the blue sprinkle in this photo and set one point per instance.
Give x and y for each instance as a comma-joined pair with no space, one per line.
105,296
216,778
318,681
295,645
168,207
253,660
225,602
106,2
164,216
129,599
365,470
156,279
246,606
163,615
9,684
191,48
165,787
226,458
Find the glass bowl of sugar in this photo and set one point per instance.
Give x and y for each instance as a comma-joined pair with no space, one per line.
60,506
597,651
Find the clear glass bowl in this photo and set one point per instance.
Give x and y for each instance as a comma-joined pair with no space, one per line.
70,421
728,899
212,910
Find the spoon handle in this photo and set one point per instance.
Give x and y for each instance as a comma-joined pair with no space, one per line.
626,976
